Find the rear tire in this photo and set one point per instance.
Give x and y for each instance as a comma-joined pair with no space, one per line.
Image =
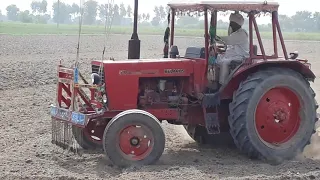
134,138
277,118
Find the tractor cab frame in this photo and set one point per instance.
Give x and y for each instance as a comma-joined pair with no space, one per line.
267,107
252,9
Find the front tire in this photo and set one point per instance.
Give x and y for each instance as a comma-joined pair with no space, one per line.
273,115
134,138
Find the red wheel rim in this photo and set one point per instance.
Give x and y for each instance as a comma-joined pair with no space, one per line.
94,133
277,116
91,135
136,142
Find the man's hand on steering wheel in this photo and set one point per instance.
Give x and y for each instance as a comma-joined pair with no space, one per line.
219,39
219,45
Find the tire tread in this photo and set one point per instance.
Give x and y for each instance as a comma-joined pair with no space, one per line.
241,98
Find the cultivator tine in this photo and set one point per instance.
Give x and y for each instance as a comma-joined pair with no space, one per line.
63,137
65,134
75,143
60,126
55,132
53,129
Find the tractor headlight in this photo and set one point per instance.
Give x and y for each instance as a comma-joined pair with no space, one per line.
95,78
92,79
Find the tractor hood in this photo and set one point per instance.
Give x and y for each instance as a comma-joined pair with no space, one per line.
151,67
163,60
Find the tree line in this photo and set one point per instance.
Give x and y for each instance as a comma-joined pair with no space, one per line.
63,13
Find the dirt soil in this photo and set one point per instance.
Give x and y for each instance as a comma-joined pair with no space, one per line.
27,88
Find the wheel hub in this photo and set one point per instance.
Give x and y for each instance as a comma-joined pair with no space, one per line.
135,142
280,116
277,116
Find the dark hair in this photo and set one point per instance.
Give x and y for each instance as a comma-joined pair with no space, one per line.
235,27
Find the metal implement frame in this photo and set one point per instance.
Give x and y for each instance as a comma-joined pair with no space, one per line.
66,115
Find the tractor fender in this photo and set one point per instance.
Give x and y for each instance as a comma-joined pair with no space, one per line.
131,111
242,72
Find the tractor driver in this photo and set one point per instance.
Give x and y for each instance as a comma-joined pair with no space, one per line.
237,43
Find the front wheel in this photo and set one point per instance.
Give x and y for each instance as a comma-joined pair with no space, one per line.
273,115
134,137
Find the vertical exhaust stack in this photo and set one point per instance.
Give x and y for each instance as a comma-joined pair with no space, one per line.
134,42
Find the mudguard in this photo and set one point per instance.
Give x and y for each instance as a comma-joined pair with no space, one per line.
240,73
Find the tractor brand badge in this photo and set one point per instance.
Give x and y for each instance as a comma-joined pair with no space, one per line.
126,72
173,71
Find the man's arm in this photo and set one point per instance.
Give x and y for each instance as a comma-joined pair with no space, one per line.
226,39
235,38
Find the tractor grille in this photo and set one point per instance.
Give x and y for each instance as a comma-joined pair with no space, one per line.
95,69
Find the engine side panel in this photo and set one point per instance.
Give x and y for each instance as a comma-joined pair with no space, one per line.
160,92
123,78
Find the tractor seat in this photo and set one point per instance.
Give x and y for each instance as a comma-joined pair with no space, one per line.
235,63
195,52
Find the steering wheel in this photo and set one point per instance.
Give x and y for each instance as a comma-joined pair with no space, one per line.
219,39
219,45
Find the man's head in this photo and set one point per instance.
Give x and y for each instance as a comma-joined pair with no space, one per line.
237,18
236,22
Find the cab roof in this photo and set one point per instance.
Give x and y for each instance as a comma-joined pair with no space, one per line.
225,5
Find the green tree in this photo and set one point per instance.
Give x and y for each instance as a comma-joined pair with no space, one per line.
286,22
12,12
129,11
35,7
25,17
39,9
187,21
144,17
157,18
157,12
75,10
148,17
303,21
155,21
103,10
139,18
2,17
44,7
316,19
116,15
123,11
90,12
162,13
61,14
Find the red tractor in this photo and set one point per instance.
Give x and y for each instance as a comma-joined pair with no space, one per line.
267,104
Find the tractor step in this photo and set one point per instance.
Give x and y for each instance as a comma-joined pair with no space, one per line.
211,100
212,123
